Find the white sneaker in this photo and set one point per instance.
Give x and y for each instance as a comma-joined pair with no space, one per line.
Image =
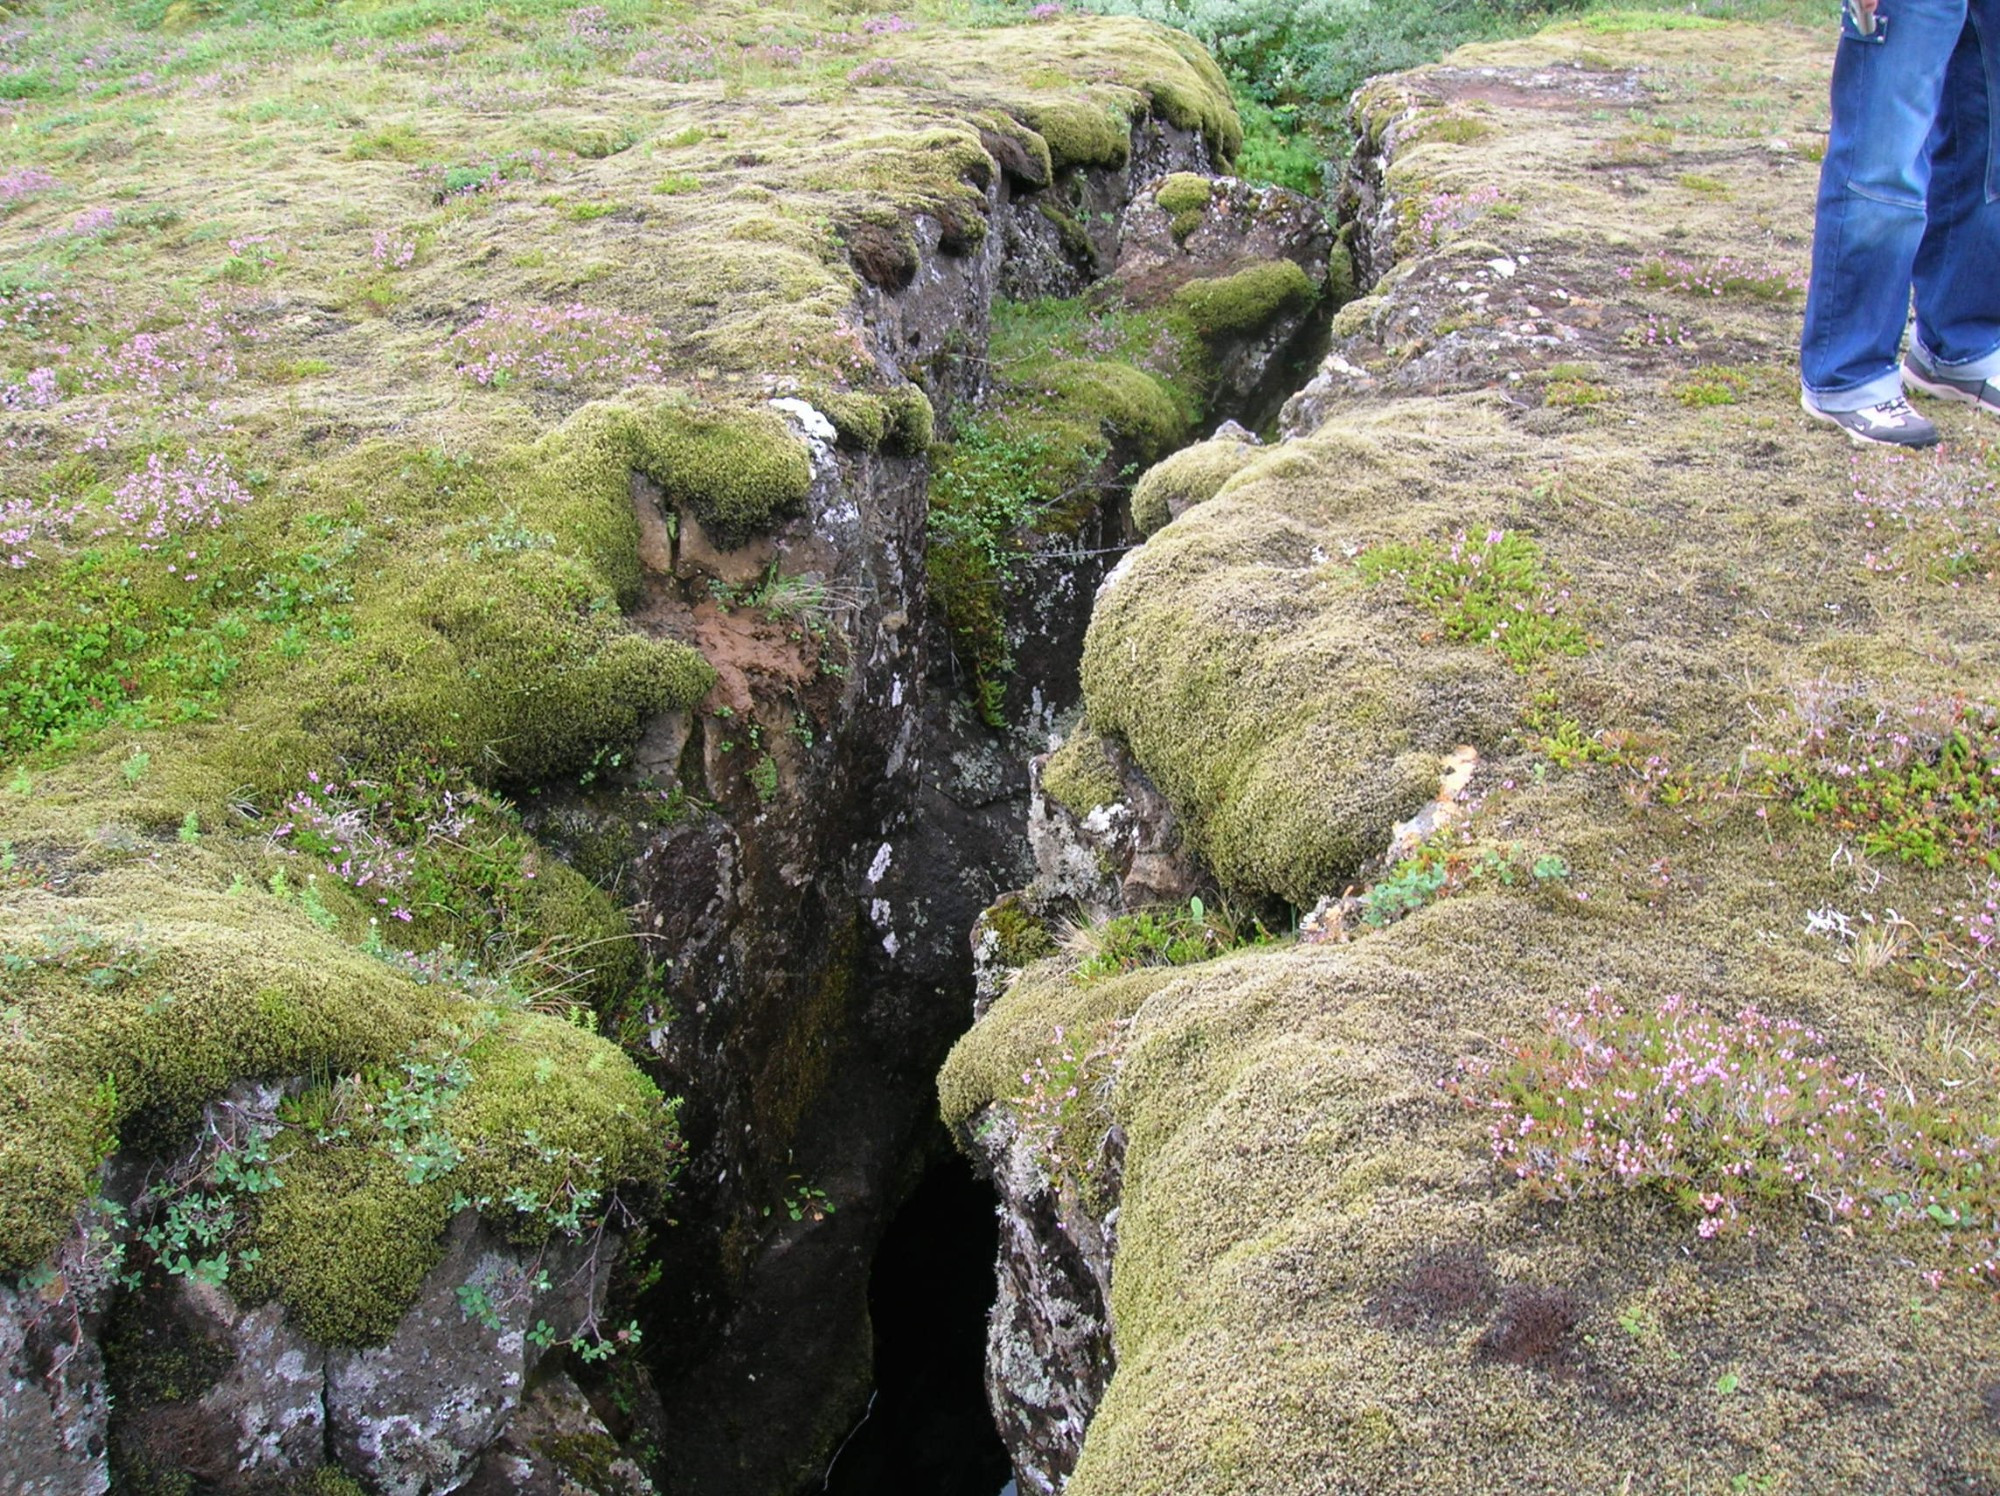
1893,423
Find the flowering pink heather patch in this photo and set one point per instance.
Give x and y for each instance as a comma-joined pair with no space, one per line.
1932,517
36,392
393,251
1046,12
1725,275
592,26
890,24
24,522
351,826
93,223
1447,213
686,57
566,346
15,185
170,498
197,351
1720,1113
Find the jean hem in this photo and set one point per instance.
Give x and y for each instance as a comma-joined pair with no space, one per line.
1986,366
1876,391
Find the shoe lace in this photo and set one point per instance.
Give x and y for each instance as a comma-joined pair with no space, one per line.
1898,409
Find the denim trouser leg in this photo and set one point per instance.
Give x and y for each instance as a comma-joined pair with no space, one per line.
1870,217
1958,301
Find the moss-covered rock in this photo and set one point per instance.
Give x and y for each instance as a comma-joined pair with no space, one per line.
736,473
153,992
1234,305
1184,195
1193,475
1331,1268
1080,776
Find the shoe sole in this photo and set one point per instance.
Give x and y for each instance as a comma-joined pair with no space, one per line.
1944,391
1856,437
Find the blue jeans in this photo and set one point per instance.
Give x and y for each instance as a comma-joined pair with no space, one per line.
1909,195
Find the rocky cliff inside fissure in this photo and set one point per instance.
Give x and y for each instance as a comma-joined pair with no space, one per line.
838,816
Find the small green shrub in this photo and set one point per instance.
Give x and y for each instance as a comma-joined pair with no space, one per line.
1921,784
1497,592
1714,384
1180,935
1444,866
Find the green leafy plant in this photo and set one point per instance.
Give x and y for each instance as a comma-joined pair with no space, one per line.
1921,784
1446,865
1497,591
1179,935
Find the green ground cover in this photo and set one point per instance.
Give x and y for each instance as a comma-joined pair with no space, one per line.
330,340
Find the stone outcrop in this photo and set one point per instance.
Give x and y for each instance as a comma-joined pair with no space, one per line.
812,938
236,1397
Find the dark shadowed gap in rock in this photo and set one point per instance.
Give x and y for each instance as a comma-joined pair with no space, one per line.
928,1431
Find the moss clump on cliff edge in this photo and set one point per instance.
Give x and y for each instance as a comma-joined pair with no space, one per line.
548,1118
1193,475
1232,306
1080,776
165,978
737,474
1034,464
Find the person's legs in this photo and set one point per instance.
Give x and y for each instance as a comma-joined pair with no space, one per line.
1872,189
1958,303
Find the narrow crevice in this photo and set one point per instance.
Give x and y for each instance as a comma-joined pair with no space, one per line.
927,1429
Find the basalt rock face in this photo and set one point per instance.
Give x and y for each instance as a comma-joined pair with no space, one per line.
236,1398
1113,847
810,931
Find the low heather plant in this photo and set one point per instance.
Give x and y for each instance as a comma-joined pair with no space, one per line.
170,498
682,55
591,26
1930,517
1723,1115
444,183
568,346
38,391
1447,214
92,223
393,251
1065,1102
1495,591
26,182
26,523
1723,276
365,838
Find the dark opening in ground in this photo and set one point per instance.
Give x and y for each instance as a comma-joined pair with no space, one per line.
928,1432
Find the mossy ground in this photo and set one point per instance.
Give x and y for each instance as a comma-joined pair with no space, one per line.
1322,1283
329,343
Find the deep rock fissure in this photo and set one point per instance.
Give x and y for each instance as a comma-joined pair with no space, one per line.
769,1328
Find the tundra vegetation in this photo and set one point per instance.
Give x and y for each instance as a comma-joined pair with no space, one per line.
331,338
1635,1129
